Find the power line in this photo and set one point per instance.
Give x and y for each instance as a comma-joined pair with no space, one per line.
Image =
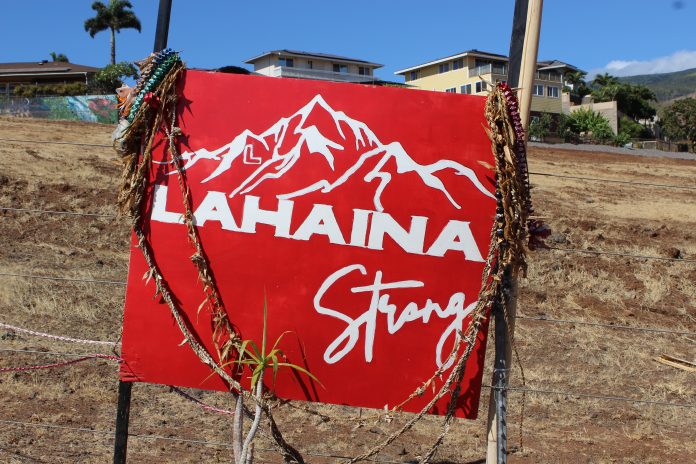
614,181
68,279
66,213
609,326
55,142
626,255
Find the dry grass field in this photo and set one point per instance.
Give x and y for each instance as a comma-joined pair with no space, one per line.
41,411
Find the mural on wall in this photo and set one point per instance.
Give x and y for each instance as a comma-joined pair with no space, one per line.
90,108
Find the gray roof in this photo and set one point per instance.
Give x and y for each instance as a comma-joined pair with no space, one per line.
325,56
542,65
555,64
45,68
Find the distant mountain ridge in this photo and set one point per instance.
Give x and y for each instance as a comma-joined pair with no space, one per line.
667,86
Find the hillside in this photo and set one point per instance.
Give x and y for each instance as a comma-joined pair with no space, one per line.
66,414
667,86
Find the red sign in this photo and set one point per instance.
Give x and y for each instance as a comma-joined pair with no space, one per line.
362,215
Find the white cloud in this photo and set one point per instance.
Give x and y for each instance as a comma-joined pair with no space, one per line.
677,61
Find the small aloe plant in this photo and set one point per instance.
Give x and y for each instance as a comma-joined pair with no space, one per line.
258,360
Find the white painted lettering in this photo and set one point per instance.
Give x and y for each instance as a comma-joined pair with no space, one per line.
379,304
159,207
280,219
321,220
411,241
456,236
214,207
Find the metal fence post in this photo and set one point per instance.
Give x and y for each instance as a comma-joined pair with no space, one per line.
524,44
122,416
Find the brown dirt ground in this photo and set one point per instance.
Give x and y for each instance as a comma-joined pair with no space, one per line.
561,357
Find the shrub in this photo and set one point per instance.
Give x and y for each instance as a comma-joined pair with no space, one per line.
111,77
30,91
540,127
588,123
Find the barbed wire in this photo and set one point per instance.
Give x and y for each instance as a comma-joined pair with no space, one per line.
57,142
605,325
56,337
175,439
522,317
68,279
64,213
42,352
535,173
614,181
566,250
519,389
37,367
621,254
596,396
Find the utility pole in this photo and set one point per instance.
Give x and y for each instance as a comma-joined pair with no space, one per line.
162,30
524,46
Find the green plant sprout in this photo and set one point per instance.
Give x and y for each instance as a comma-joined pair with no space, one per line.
258,360
250,355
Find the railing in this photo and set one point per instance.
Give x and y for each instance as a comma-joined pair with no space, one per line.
547,76
488,69
285,71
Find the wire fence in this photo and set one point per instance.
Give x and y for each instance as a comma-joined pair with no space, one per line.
80,357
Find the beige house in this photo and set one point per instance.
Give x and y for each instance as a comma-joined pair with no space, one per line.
473,71
306,65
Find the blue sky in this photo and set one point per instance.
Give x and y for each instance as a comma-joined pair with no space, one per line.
622,36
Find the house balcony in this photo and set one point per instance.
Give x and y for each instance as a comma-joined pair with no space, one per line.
547,76
499,69
320,74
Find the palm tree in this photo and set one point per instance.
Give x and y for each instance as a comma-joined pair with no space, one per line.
575,78
59,57
114,16
604,80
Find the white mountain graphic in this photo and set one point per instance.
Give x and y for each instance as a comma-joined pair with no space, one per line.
349,146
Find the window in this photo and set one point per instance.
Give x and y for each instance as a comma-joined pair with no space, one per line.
413,75
458,64
444,67
452,90
340,68
466,89
552,91
480,86
287,62
538,90
364,71
310,64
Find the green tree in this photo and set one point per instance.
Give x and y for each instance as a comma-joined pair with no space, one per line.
678,120
59,57
114,16
540,126
635,101
111,77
